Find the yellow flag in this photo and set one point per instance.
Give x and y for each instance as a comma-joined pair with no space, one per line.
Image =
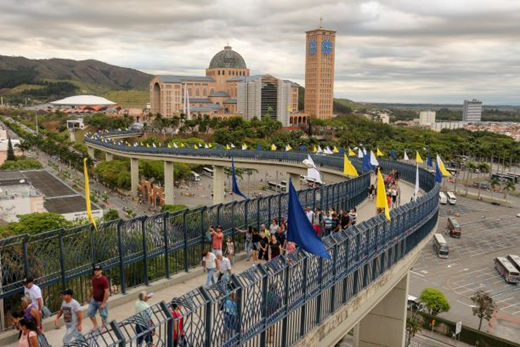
351,153
148,145
314,149
169,145
379,153
210,145
418,158
289,147
182,145
227,147
87,194
444,172
348,168
381,201
335,150
273,147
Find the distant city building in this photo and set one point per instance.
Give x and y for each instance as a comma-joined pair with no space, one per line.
427,117
319,72
23,192
385,118
447,125
472,111
260,96
216,94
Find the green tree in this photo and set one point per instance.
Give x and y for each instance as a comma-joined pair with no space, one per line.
35,223
483,306
10,150
508,187
111,215
173,208
25,145
495,185
21,164
435,301
413,326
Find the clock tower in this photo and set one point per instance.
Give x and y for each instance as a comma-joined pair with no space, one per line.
319,72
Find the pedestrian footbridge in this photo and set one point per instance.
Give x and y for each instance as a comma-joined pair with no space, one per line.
295,300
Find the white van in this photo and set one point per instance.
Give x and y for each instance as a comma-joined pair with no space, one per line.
440,246
443,200
196,176
452,199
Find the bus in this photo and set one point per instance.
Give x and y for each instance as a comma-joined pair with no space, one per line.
454,228
443,200
452,199
507,270
452,171
440,246
515,260
196,176
504,177
206,171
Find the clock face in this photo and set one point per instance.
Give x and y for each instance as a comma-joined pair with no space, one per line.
326,47
313,47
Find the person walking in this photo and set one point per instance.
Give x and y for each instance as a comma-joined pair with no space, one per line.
372,192
224,267
209,263
230,250
248,240
143,319
72,316
31,312
217,236
255,248
36,296
178,324
29,335
99,292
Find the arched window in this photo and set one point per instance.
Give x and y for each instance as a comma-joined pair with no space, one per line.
204,92
211,91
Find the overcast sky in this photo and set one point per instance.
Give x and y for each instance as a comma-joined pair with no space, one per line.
389,51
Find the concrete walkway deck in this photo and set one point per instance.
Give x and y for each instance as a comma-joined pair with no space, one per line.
122,306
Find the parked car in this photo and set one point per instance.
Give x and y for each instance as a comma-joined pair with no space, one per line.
483,185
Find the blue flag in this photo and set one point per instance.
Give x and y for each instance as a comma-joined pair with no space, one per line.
303,148
438,173
300,230
341,151
236,190
258,147
429,162
392,154
367,166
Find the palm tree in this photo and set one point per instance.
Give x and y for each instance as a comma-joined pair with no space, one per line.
412,327
25,145
494,183
509,187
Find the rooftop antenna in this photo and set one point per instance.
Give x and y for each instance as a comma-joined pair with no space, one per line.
321,22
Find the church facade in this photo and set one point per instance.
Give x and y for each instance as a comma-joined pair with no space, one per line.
227,90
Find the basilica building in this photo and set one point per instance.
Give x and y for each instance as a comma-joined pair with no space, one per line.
226,90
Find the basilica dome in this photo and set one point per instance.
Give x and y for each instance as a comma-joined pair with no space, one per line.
227,59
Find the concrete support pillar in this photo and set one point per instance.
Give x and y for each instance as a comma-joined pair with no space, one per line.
295,178
168,183
218,184
90,152
385,325
134,174
109,156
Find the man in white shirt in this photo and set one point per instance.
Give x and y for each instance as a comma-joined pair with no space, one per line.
309,213
210,264
224,266
35,292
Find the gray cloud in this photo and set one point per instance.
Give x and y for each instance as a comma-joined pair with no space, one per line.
392,50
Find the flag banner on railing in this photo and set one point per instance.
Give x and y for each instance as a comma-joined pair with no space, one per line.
373,160
406,156
300,230
348,168
381,200
429,162
236,190
379,153
416,190
351,153
360,153
440,163
87,194
438,173
366,163
418,158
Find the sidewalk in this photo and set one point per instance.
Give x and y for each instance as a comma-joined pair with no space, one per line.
165,290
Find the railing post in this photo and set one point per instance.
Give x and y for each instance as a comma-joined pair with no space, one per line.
286,303
166,245
280,196
303,315
62,262
169,324
208,319
145,251
333,288
118,333
258,213
240,300
121,256
263,307
270,218
318,298
185,232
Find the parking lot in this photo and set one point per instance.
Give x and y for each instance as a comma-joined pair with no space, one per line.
487,232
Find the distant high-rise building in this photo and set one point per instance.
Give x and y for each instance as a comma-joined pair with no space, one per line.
472,111
427,117
319,72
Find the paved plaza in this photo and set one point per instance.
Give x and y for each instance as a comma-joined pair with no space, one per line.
488,231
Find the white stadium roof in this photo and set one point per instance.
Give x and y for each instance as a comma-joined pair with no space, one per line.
83,100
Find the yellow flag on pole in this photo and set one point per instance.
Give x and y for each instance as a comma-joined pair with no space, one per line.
227,147
351,153
335,150
379,153
381,201
273,147
87,194
418,158
314,149
348,168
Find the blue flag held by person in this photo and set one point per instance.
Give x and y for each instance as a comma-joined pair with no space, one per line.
300,230
236,190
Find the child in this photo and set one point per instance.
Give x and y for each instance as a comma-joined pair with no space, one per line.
291,247
230,250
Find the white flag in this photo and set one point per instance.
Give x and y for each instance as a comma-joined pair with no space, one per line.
244,147
406,156
319,150
360,153
373,159
416,190
175,145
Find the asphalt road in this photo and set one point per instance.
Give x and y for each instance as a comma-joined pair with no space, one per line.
488,231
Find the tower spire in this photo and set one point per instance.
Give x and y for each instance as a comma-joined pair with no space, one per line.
321,22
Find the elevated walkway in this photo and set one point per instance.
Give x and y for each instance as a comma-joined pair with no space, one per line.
122,306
